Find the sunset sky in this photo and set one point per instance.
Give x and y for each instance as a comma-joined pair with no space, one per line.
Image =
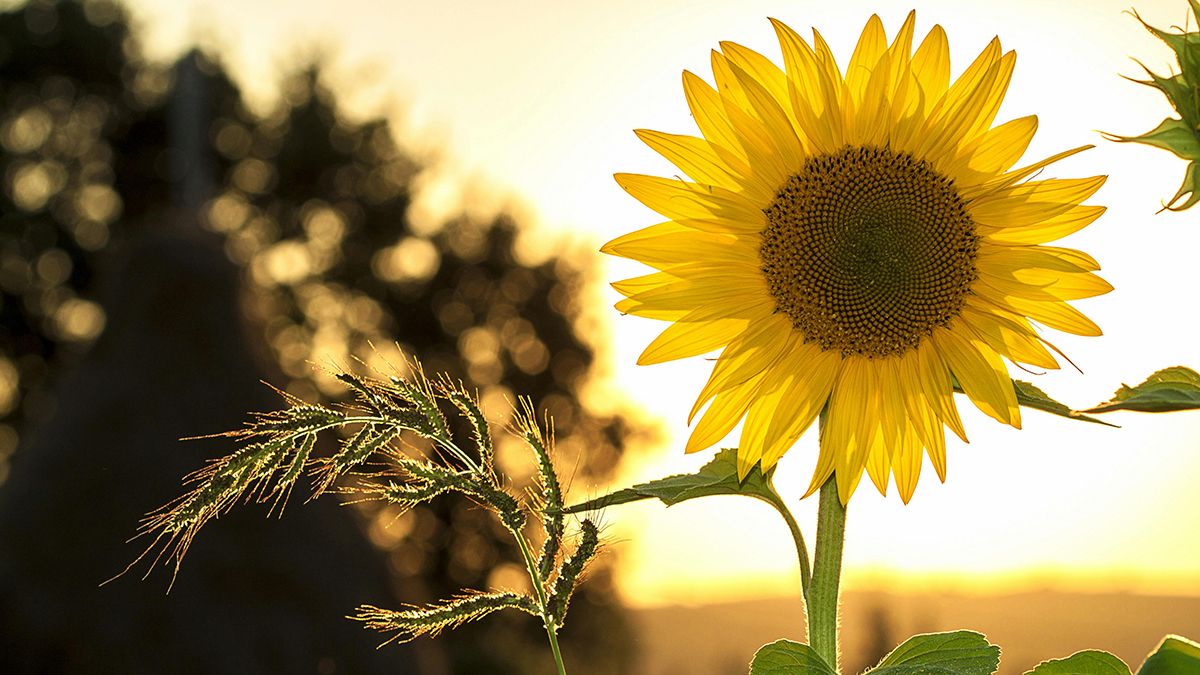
530,104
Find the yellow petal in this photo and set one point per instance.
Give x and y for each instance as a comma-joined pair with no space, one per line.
807,91
991,96
696,157
1051,229
993,152
970,79
722,416
879,465
755,437
1019,343
754,351
931,65
1033,202
684,339
816,369
761,69
981,373
921,413
891,419
680,200
934,376
674,243
1039,272
635,285
901,48
1047,285
1013,177
872,119
1077,258
934,440
871,45
851,426
672,308
707,280
692,295
1057,315
753,131
709,113
839,107
963,114
776,124
906,463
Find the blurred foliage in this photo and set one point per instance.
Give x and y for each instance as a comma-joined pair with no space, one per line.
60,113
314,206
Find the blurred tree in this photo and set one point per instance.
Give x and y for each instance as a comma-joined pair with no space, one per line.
881,638
59,110
313,206
316,208
80,132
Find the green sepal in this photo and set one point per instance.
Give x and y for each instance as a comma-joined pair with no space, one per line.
1175,655
718,477
784,657
1185,45
1180,136
1171,134
960,652
1168,390
1175,88
1190,186
1090,662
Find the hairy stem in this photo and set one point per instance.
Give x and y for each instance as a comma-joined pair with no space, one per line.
540,592
827,572
798,540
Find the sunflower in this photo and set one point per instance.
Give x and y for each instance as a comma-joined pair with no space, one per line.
857,245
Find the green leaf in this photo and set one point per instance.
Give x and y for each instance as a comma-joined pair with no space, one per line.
1090,662
1174,656
1168,390
718,477
785,657
1033,397
961,652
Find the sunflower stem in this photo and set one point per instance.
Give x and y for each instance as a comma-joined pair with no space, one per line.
827,572
797,539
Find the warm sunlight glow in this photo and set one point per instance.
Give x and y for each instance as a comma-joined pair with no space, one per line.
548,104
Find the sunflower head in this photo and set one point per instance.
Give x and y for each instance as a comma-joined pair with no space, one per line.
856,242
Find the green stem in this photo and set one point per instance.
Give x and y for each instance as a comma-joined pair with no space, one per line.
540,594
827,572
797,539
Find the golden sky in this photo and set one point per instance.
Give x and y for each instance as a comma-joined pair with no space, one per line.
537,99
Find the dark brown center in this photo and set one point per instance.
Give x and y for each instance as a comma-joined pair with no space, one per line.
867,250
